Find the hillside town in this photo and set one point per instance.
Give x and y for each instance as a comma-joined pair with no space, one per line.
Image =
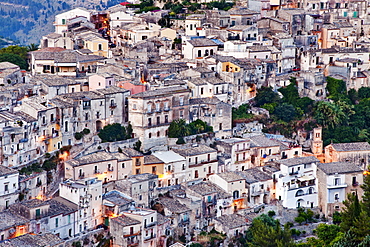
122,131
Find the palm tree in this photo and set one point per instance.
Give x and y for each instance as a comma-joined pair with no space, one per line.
32,47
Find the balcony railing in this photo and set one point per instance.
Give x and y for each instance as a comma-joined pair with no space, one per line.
82,175
113,105
150,224
149,237
336,186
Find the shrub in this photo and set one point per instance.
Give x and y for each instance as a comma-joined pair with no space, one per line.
86,131
271,213
180,140
79,135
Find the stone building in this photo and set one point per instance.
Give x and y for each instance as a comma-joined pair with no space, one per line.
335,181
355,152
151,112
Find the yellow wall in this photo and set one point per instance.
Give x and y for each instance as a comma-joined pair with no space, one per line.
93,45
234,67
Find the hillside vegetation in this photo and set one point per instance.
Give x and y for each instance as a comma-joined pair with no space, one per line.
25,21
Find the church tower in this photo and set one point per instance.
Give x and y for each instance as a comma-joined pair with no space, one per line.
317,144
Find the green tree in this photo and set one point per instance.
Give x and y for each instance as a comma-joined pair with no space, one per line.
335,88
364,93
15,59
137,145
366,193
290,94
328,114
32,47
241,112
285,112
327,233
113,132
178,128
350,212
267,232
361,226
266,95
347,240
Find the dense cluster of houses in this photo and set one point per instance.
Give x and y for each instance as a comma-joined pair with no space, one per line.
117,66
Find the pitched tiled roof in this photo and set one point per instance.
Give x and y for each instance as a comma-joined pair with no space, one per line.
151,159
202,42
339,167
191,151
125,221
173,205
232,221
7,171
254,175
161,92
230,176
352,146
263,141
9,219
298,161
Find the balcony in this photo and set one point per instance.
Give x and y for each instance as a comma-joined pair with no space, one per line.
82,175
337,186
148,225
97,172
133,234
293,173
150,237
259,192
113,105
166,109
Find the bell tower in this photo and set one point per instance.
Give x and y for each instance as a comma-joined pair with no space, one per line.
317,144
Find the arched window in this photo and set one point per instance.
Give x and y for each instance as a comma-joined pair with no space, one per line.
299,193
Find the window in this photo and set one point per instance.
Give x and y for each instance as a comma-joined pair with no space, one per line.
165,106
220,112
196,174
336,197
158,120
134,107
56,222
220,126
154,169
150,135
123,165
336,181
6,188
149,107
181,100
66,126
201,91
137,171
157,106
63,21
149,122
158,134
199,53
100,47
181,114
166,119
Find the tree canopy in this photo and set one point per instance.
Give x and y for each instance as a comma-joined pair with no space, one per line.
115,132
